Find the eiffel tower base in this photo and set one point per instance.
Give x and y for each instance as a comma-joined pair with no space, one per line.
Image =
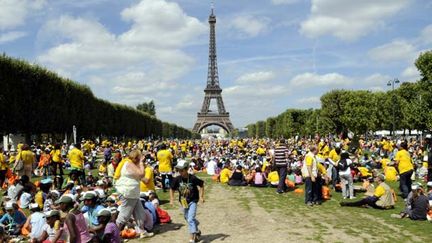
221,120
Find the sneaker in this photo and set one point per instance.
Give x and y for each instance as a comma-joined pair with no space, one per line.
146,235
352,197
310,204
344,198
279,192
198,236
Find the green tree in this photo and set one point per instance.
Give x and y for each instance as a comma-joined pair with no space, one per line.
147,107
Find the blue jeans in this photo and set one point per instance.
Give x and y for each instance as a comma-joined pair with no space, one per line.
189,215
405,183
309,190
282,172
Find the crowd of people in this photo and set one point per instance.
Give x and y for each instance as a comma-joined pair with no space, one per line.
106,191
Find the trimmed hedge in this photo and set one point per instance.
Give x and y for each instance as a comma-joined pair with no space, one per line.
34,100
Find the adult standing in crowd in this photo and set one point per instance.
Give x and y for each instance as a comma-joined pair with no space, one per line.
27,158
164,156
406,168
280,161
57,161
128,178
76,158
310,173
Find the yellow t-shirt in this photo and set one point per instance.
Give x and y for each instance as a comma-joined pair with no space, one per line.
379,191
390,173
273,177
309,160
56,156
39,199
384,162
3,164
321,169
404,159
102,168
76,158
261,151
225,175
28,157
164,157
334,156
150,186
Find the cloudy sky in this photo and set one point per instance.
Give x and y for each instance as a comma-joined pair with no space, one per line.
272,54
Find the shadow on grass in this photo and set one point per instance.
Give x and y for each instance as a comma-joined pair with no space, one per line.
164,228
213,237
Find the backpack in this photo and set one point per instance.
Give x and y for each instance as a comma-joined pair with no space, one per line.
163,216
343,165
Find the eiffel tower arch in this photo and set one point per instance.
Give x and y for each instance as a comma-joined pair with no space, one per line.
213,91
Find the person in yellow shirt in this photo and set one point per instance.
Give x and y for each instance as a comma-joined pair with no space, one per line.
164,156
405,167
225,174
390,173
28,158
147,182
3,167
76,159
381,199
273,178
57,161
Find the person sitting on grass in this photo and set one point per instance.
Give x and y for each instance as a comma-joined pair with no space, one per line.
382,198
53,232
260,179
273,178
225,174
109,230
13,220
417,205
35,222
237,178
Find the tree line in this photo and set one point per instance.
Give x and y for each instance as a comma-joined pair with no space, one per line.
35,101
409,106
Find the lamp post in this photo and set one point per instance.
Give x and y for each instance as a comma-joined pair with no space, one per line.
392,83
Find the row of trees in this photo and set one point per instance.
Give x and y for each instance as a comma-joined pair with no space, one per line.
409,107
34,100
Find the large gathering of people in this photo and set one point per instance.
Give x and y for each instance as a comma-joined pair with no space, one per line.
108,191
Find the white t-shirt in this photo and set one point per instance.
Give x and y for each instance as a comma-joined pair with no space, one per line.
211,167
37,223
25,199
347,171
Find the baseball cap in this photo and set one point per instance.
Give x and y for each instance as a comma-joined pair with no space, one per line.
381,177
182,164
110,199
100,183
46,181
428,136
104,212
90,195
416,186
429,184
52,213
65,199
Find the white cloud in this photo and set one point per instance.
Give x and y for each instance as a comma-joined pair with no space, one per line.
145,58
410,74
250,25
426,34
377,79
11,36
281,2
349,19
13,13
394,51
257,77
314,100
332,80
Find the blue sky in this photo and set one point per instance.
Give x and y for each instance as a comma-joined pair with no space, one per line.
272,54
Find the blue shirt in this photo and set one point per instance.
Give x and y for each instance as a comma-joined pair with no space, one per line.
92,213
16,218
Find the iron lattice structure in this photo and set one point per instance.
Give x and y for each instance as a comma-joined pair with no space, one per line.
213,91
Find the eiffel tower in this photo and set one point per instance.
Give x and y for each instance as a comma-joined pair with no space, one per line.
213,91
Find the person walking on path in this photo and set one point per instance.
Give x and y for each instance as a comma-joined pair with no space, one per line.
191,190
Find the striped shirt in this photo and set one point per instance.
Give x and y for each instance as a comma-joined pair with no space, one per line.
281,156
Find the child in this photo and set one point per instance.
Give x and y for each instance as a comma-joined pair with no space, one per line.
111,232
103,169
50,199
25,197
52,230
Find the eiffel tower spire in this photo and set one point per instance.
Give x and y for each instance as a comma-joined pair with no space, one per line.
213,91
